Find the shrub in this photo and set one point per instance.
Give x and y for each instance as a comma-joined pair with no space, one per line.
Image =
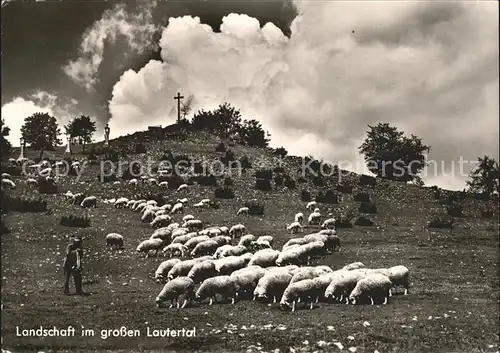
245,162
255,208
278,180
228,181
344,221
279,170
228,157
25,204
289,182
47,186
330,197
345,188
206,180
305,196
158,197
367,207
318,181
174,181
363,221
280,151
132,171
264,174
440,223
224,193
455,210
220,147
198,167
214,205
367,180
487,214
140,148
75,221
262,184
362,197
111,155
301,180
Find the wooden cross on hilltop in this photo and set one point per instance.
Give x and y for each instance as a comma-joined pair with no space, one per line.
178,98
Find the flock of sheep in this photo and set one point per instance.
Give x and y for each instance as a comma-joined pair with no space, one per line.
249,268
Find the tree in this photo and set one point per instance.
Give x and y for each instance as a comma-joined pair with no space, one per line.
252,133
41,132
224,120
485,177
81,127
391,155
4,143
187,106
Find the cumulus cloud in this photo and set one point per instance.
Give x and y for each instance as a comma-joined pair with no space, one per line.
430,69
16,111
117,23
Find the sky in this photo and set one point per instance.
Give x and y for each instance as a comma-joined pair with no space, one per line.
314,73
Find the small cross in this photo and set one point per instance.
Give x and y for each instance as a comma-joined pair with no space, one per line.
178,98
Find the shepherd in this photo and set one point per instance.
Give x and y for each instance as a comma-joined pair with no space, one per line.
73,265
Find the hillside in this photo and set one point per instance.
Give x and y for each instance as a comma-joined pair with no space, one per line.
452,305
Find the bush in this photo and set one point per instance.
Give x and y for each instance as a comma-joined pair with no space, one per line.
228,158
228,181
345,188
344,221
362,197
330,197
289,182
140,148
255,208
278,180
75,221
301,180
266,174
24,204
132,171
279,170
367,180
205,180
111,155
318,181
47,186
305,196
214,205
367,207
220,147
224,193
487,214
158,197
440,223
280,151
455,210
262,184
245,162
174,181
363,221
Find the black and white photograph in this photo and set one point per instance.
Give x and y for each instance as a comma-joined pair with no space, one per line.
250,176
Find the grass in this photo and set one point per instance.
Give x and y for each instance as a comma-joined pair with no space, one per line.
452,305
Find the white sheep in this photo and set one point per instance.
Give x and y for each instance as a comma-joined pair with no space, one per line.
309,273
316,210
7,183
247,278
222,240
311,205
268,238
329,223
193,225
314,218
152,181
179,231
31,182
237,230
207,247
260,244
114,240
374,285
148,215
272,285
89,202
293,242
244,211
181,269
399,276
264,258
163,184
222,285
214,232
161,221
175,249
294,227
246,240
202,270
299,217
227,265
6,176
235,250
328,232
199,205
121,202
178,208
163,269
353,266
191,243
133,182
163,233
304,291
68,194
175,288
183,239
149,245
188,217
182,187
343,282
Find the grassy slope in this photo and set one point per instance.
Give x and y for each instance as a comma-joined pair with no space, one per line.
453,276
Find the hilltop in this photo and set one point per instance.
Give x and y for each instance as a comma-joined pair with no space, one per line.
453,301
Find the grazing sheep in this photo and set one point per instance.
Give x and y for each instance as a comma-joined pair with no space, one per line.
133,182
311,205
160,212
247,278
202,270
224,230
68,194
353,266
150,245
304,291
222,285
164,234
299,217
114,240
199,205
264,258
182,187
374,285
181,269
332,243
121,202
6,176
214,232
184,201
220,250
175,249
289,257
244,211
399,276
246,240
260,245
7,183
175,288
329,223
208,247
31,182
327,232
227,265
237,230
294,227
343,282
191,243
163,269
310,250
272,284
77,198
183,239
193,224
266,238
179,231
294,241
308,273
148,215
89,202
178,208
322,282
152,181
187,218
163,184
314,218
235,250
161,221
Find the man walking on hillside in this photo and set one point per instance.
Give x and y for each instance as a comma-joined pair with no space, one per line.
73,265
